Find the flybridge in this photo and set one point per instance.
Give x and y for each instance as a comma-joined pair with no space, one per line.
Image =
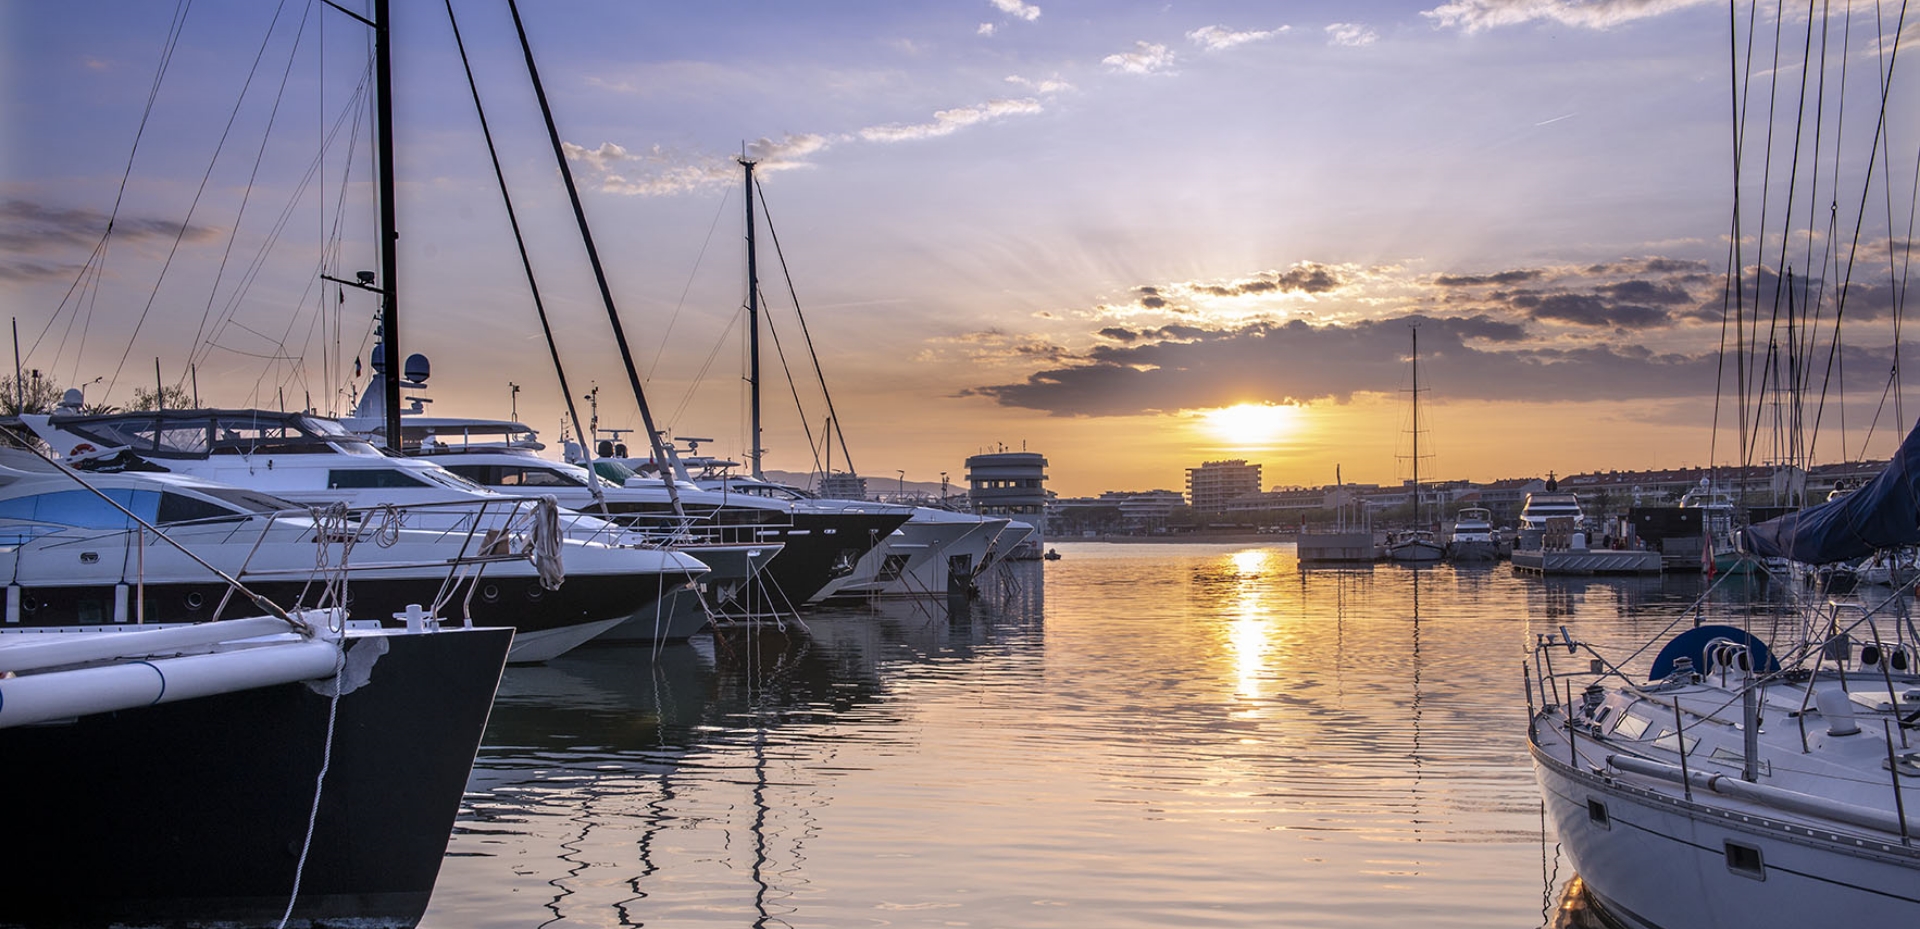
192,434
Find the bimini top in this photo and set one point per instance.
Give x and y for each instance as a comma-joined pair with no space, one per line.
1884,513
203,432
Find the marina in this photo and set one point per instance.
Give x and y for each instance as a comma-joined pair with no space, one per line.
1151,735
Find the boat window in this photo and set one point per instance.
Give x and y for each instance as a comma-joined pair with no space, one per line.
516,476
1631,727
448,479
180,508
484,475
1745,861
83,508
1668,741
366,478
1597,813
251,501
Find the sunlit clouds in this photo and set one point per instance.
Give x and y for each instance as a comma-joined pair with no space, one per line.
1351,35
1146,58
1220,38
1474,15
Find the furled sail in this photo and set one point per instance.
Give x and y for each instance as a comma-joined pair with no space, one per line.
1884,513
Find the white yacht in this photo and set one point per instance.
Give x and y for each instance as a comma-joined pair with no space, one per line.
1472,537
315,462
1550,504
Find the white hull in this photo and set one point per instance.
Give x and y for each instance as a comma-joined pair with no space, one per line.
1662,862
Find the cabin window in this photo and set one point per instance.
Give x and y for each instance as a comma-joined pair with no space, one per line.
1631,727
367,478
1672,741
485,475
536,477
1745,861
180,508
83,508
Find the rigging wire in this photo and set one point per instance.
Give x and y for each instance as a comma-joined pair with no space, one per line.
539,306
87,281
187,222
818,371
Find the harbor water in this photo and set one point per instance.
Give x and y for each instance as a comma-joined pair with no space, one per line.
1155,735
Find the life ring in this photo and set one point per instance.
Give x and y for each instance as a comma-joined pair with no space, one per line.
84,448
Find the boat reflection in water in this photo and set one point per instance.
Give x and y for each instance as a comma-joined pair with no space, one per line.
1192,734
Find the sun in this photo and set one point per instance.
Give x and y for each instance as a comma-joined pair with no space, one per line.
1248,425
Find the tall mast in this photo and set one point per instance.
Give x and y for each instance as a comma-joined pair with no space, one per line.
1416,423
753,330
389,236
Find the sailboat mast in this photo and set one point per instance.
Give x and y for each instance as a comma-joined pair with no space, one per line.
753,330
1416,423
389,235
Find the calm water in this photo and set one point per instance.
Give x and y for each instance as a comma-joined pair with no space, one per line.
1157,735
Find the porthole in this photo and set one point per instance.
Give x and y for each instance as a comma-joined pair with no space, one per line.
490,594
1597,813
1745,861
29,603
535,592
194,600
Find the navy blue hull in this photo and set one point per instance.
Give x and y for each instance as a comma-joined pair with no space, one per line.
196,812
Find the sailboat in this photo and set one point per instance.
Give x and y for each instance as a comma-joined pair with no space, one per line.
1416,545
1739,780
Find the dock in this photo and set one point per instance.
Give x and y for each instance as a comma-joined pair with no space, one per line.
1586,561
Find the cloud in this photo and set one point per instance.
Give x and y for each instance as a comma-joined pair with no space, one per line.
29,227
1017,9
947,122
1353,35
1131,373
657,171
1146,58
1218,38
1475,15
985,29
1588,310
1502,278
1051,85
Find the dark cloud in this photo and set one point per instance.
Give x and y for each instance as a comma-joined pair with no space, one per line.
1297,361
1118,334
1644,291
29,271
1588,310
1499,279
28,227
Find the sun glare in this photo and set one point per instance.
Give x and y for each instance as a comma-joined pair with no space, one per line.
1252,424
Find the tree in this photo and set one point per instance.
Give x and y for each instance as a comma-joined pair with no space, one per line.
34,393
172,396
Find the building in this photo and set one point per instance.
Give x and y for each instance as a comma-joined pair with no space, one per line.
1011,484
1214,484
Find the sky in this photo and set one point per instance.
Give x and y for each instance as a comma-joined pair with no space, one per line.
1133,237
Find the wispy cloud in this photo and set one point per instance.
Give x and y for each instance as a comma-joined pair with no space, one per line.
947,122
1017,9
1052,85
1353,35
657,171
1475,15
1218,38
985,29
1146,58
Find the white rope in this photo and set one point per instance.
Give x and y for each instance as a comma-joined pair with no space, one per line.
319,784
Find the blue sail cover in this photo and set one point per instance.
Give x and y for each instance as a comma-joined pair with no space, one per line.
1885,513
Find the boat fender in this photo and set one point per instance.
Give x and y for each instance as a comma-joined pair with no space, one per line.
356,668
1838,710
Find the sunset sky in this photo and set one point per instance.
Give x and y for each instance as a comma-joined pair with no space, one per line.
1077,228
